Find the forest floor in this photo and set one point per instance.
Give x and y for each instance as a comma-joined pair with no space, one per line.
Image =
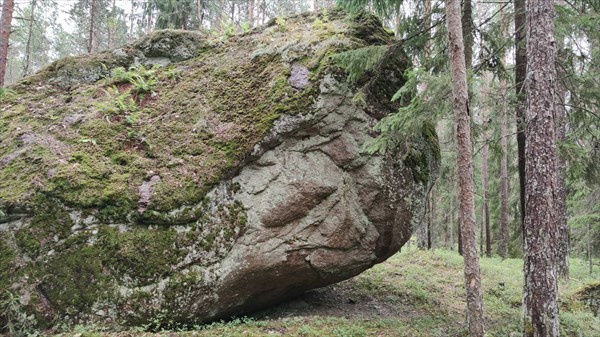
414,293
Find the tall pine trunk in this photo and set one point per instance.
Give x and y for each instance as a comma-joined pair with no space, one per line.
520,73
8,7
464,158
541,227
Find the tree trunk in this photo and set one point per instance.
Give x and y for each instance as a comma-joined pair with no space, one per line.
464,165
8,7
467,31
251,13
451,231
541,227
503,244
561,188
232,12
485,223
422,235
589,232
131,16
29,37
520,73
90,48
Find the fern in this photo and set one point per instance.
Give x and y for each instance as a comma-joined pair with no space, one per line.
357,62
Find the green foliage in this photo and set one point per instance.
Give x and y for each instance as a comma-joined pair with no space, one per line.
280,22
359,61
142,80
6,93
381,7
12,318
119,104
245,27
424,109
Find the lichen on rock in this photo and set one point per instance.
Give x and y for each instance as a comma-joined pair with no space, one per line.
229,177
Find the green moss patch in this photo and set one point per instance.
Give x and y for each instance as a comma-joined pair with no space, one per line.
192,122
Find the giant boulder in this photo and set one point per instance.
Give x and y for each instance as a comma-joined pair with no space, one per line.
232,177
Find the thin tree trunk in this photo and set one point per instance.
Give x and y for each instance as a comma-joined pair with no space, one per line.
200,13
90,47
232,12
485,223
29,37
503,246
541,227
422,235
5,25
131,16
561,188
589,232
464,158
251,13
520,73
467,32
451,223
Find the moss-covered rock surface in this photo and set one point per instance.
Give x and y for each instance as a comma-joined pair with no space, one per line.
184,178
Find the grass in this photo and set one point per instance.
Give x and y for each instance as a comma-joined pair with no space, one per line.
422,293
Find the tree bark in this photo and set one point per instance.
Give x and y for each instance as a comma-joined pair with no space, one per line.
520,73
467,31
541,227
5,25
464,158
